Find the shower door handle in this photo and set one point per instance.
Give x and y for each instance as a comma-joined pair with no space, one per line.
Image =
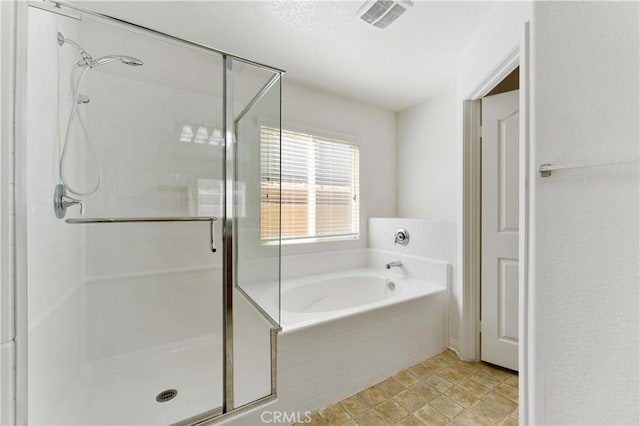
210,219
212,236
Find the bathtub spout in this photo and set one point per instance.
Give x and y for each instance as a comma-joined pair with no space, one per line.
396,263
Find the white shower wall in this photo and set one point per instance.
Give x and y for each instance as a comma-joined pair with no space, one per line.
153,274
55,282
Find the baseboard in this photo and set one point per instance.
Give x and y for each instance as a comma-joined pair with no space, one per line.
454,345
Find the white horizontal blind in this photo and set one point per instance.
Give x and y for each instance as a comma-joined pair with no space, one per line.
319,186
269,183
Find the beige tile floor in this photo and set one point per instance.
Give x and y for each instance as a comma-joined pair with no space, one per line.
441,390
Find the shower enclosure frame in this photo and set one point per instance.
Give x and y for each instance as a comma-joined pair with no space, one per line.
71,10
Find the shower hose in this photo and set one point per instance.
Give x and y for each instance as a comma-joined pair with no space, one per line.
74,115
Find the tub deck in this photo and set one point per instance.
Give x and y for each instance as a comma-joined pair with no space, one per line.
333,296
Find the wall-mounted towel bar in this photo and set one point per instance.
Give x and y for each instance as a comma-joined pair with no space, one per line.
210,219
546,169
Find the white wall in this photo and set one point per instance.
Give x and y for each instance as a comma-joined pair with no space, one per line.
428,185
7,243
428,238
499,34
585,238
426,160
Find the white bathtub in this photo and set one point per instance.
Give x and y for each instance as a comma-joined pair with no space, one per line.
344,331
321,298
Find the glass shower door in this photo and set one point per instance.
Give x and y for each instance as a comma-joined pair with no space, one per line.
125,298
256,122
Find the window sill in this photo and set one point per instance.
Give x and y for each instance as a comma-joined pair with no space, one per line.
312,240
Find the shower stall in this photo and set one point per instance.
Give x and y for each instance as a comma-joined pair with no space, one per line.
138,236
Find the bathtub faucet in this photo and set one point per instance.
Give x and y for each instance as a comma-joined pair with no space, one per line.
393,264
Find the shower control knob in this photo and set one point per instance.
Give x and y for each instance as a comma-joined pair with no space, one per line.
401,237
61,201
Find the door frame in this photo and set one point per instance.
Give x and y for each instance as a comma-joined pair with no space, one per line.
519,56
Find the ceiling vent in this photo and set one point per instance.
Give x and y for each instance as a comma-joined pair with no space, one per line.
381,13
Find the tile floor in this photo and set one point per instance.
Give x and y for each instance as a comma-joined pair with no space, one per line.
441,390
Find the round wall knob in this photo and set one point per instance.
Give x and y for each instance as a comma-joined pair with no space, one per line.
401,237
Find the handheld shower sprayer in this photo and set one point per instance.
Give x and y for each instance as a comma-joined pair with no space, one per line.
87,59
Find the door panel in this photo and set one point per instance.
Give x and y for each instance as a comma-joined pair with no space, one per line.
508,300
508,167
499,342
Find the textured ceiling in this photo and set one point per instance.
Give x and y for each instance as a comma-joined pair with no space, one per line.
324,45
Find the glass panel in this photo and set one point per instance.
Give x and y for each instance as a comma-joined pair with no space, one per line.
257,299
120,313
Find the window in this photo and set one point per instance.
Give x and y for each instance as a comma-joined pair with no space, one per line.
319,191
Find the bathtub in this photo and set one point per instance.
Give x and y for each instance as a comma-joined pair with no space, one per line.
321,298
346,330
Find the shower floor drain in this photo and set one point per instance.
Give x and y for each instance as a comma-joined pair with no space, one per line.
167,395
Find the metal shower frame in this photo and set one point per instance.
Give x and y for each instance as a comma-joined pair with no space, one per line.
229,221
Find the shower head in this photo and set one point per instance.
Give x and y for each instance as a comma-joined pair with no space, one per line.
131,61
127,60
88,61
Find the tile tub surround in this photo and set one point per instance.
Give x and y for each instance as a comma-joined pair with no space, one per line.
429,238
329,361
441,390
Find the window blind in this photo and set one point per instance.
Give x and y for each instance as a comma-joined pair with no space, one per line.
317,180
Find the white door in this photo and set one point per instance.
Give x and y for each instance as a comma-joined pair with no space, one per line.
499,278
